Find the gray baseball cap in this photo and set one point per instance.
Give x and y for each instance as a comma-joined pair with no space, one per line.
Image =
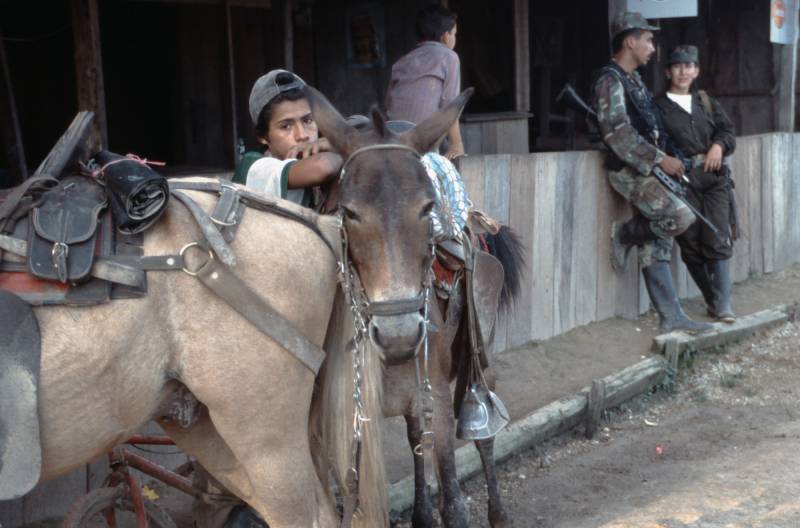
269,86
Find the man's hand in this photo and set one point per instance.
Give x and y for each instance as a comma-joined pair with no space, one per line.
672,166
305,150
713,158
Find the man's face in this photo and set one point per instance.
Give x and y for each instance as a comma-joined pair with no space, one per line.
290,124
642,47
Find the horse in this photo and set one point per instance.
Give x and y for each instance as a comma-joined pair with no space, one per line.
386,200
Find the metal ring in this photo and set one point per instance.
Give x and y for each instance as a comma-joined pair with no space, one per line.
222,223
183,250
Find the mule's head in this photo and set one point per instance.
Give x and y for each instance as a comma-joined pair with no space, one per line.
386,199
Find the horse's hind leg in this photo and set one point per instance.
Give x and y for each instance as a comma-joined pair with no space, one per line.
497,513
423,507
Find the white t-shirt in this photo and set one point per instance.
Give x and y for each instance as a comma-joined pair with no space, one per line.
682,100
271,176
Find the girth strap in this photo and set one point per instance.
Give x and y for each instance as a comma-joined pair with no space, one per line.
223,282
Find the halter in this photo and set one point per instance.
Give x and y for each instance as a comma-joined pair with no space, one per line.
362,310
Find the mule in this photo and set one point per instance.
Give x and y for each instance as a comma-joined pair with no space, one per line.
385,200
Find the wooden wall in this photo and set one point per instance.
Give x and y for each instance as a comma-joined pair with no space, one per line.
562,207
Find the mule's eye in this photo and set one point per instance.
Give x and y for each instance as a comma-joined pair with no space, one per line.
350,215
427,209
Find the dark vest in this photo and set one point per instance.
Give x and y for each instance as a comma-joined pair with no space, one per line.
639,105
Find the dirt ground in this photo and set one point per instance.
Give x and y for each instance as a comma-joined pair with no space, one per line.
718,449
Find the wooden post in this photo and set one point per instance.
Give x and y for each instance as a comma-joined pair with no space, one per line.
288,35
672,351
89,68
232,80
595,407
787,74
12,134
522,60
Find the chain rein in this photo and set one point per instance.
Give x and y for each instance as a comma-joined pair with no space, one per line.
361,310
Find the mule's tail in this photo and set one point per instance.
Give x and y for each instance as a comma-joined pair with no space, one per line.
334,412
507,247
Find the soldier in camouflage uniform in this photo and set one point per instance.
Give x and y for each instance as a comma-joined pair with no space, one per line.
629,124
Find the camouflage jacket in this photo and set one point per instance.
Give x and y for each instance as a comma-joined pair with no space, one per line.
617,131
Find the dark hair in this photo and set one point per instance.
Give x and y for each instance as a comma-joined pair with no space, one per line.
616,42
262,126
434,21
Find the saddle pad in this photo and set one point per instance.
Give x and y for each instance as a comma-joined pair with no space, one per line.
20,352
61,245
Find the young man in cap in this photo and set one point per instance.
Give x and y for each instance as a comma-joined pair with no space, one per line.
699,127
296,159
630,127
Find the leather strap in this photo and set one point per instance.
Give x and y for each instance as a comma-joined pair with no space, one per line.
223,282
209,229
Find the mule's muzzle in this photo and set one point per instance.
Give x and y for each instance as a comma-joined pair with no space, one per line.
398,336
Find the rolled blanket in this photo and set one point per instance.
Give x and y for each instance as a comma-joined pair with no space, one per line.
138,194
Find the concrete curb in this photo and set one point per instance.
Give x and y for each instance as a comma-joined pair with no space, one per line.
568,412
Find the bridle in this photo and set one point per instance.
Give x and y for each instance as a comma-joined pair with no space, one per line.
363,309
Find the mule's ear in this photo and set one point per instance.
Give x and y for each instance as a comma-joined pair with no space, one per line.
379,122
426,134
343,137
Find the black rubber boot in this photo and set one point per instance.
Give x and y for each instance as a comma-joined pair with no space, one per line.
719,272
624,236
701,277
658,279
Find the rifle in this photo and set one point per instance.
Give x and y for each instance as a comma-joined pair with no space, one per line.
571,99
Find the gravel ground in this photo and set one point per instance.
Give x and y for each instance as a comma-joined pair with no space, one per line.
716,447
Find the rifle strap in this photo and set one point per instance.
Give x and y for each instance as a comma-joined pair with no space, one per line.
705,102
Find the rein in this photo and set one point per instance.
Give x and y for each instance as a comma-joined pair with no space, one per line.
363,310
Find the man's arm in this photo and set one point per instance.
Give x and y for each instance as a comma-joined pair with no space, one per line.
313,170
616,129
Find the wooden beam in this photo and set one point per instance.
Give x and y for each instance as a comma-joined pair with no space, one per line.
89,68
787,75
12,134
522,59
288,35
232,81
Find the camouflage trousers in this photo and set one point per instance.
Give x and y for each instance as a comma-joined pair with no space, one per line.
668,215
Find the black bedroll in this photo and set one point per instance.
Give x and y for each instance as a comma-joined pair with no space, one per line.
138,195
571,99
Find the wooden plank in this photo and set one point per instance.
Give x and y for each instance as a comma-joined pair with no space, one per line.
471,136
564,217
785,83
769,166
745,180
498,176
521,219
498,172
748,168
544,206
234,140
595,405
585,241
489,137
89,68
472,172
522,62
11,132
